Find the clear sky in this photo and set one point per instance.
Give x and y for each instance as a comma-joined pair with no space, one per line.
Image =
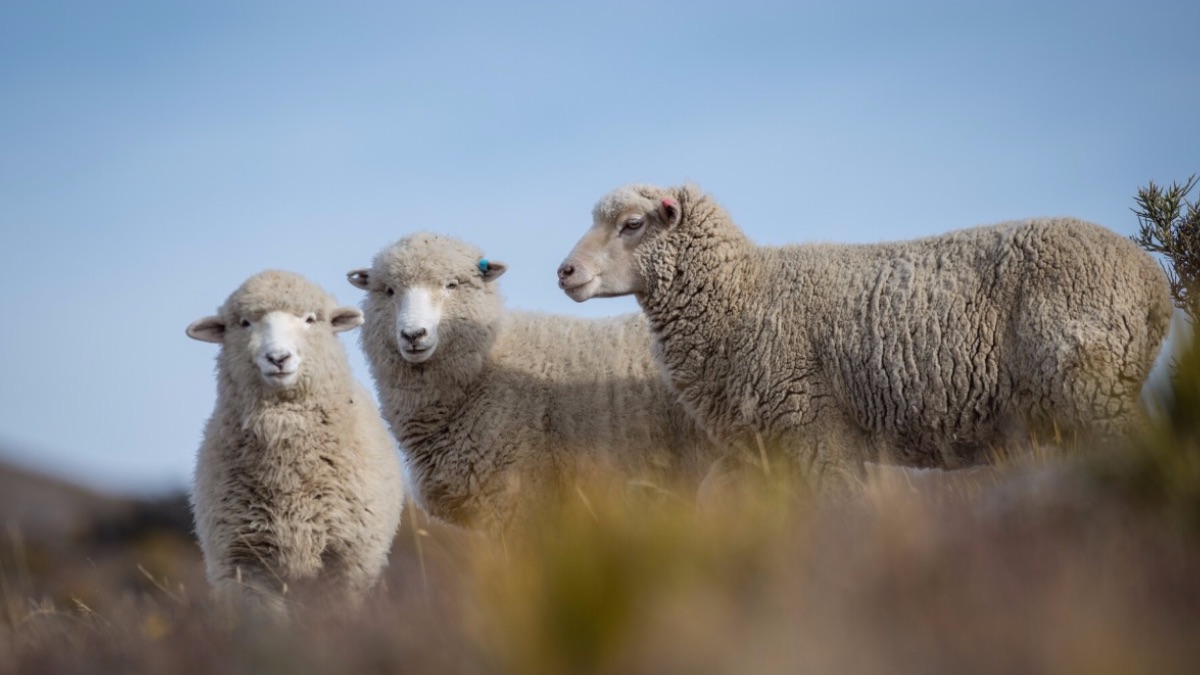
154,154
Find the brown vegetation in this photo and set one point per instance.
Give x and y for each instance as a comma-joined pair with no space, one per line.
1033,567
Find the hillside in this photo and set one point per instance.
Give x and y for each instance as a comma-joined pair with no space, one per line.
56,512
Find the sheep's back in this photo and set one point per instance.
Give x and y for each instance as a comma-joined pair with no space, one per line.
601,396
914,341
935,341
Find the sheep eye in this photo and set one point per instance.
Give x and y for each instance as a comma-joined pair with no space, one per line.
451,285
310,319
390,292
245,323
632,225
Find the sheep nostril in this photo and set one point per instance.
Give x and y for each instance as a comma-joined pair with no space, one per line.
566,270
414,335
277,359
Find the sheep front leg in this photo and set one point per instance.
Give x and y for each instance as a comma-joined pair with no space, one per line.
355,569
246,592
720,485
829,457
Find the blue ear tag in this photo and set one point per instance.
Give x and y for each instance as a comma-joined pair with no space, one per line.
483,265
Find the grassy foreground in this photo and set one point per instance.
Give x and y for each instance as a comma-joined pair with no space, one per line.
1039,565
989,574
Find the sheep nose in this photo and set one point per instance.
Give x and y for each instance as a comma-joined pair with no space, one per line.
414,334
278,358
565,270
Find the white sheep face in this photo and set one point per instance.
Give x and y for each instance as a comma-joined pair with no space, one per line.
418,314
276,343
602,264
426,290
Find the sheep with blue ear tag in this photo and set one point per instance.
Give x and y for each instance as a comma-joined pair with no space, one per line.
495,410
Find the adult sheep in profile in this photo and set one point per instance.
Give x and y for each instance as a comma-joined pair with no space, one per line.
495,410
297,481
923,352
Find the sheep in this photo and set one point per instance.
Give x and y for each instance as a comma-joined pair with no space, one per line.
496,411
926,353
1158,390
297,481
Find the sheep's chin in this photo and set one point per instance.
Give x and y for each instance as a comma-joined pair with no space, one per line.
585,291
420,356
280,381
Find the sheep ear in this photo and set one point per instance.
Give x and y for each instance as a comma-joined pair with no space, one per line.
669,211
345,318
360,278
492,269
208,329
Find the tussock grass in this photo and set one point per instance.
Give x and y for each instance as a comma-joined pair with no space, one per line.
1038,564
1161,470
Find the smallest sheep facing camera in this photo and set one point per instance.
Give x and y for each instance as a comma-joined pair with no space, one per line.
298,484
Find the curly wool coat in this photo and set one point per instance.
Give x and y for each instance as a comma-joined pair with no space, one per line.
925,352
298,485
515,406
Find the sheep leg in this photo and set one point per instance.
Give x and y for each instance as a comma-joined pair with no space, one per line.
737,479
719,486
826,458
351,577
829,456
250,592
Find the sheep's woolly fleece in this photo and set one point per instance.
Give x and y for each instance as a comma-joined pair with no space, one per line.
292,485
925,352
512,407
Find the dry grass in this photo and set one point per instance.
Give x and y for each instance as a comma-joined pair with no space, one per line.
905,579
1038,565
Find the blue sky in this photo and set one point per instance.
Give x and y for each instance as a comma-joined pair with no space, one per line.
153,155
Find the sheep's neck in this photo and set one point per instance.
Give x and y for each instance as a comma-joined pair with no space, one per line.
425,399
447,381
276,439
423,406
288,412
712,263
694,318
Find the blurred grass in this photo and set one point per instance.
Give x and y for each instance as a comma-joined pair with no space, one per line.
1041,564
1161,471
